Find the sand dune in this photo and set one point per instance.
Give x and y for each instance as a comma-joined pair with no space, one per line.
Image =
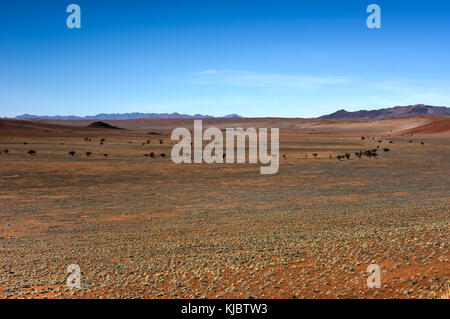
436,126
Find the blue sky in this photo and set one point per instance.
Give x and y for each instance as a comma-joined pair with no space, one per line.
254,58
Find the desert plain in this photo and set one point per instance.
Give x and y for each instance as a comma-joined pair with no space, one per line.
142,227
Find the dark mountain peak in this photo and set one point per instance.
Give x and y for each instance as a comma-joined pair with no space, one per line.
341,111
231,116
396,111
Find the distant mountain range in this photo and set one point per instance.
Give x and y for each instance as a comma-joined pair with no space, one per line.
397,111
124,116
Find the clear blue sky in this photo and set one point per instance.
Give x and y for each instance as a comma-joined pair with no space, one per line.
254,58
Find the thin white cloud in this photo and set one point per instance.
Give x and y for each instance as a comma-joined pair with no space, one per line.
208,72
243,78
416,93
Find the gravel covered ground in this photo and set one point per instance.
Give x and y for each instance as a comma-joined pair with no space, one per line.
148,228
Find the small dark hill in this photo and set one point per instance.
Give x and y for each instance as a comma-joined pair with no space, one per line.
100,124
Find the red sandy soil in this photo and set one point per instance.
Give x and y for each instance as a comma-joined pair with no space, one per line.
437,125
149,228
